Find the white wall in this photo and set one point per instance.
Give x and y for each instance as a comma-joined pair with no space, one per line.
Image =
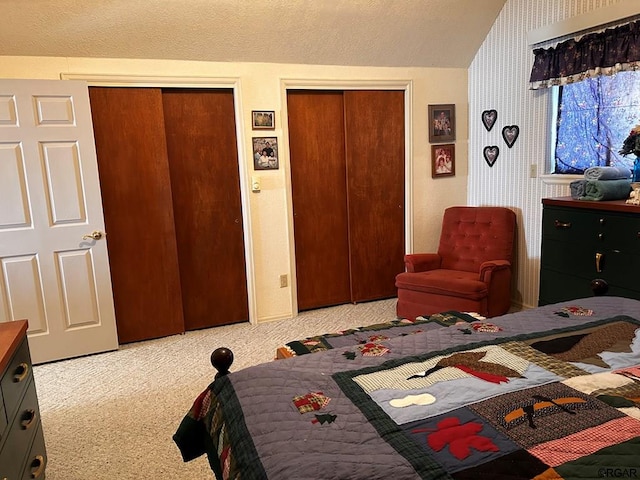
498,79
260,87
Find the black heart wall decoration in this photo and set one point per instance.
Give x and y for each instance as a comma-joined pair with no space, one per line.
489,118
491,153
510,134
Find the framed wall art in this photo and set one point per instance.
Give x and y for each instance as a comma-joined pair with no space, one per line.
265,153
443,160
442,123
263,119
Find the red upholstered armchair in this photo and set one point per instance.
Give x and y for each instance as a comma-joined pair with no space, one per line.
471,271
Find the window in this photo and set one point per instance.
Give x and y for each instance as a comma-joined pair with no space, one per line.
593,118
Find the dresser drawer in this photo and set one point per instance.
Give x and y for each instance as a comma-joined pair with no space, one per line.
591,261
20,435
16,378
559,287
569,225
587,262
618,231
37,458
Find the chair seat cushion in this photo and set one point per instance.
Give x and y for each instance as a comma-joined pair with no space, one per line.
454,283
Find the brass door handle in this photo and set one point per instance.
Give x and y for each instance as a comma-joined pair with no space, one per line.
95,235
598,260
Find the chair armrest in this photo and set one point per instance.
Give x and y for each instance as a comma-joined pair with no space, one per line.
488,268
421,262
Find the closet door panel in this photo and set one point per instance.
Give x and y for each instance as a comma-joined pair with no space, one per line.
205,182
316,136
136,194
374,123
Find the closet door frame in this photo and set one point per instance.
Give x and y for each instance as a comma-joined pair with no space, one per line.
319,84
200,83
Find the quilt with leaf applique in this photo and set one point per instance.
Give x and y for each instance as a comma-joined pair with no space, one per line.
550,393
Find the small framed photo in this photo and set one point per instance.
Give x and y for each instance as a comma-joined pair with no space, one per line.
442,123
265,153
443,160
263,119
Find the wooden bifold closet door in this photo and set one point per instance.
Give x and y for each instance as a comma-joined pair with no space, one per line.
171,196
347,176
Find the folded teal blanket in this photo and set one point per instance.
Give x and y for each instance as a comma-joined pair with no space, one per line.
607,173
577,188
607,190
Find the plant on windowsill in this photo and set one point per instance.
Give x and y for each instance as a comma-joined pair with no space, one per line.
631,145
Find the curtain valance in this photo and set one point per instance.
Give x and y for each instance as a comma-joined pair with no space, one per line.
602,53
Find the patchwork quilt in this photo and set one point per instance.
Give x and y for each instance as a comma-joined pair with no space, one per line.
548,393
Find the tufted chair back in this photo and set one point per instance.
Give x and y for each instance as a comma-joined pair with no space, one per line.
473,235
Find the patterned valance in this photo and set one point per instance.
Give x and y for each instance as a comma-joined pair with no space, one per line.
602,53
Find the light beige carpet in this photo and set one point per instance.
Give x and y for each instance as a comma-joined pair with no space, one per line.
112,415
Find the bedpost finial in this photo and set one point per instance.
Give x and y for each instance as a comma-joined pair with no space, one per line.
221,359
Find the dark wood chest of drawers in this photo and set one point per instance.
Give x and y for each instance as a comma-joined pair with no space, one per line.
22,449
584,241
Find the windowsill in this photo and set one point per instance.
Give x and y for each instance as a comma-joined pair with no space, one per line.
559,179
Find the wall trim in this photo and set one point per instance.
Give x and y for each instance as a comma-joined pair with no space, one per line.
110,80
334,84
593,19
339,84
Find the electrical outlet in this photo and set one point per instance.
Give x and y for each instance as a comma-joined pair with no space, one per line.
533,170
283,281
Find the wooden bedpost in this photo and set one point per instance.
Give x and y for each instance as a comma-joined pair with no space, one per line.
221,359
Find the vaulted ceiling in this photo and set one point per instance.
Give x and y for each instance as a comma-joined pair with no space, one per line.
393,33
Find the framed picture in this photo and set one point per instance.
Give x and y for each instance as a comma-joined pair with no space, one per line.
442,123
443,160
263,119
265,153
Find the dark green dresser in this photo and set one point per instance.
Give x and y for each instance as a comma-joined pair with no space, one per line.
22,450
589,248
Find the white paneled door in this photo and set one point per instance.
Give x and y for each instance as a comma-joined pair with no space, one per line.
54,269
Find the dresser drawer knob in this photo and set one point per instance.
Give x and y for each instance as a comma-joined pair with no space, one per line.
28,419
602,221
599,287
37,466
559,224
21,372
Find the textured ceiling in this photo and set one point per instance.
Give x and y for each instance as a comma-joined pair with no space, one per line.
421,33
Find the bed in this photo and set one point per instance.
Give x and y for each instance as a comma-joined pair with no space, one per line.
551,392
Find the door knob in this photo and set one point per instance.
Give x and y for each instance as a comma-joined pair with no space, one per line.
95,235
